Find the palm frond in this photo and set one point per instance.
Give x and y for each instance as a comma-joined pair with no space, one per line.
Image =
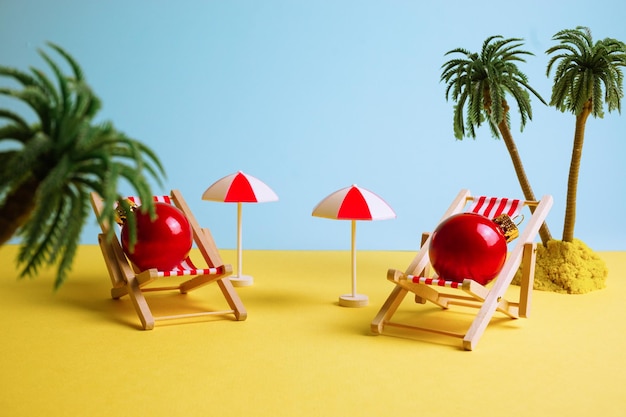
487,78
40,234
64,93
26,161
53,100
13,132
584,69
76,219
15,118
23,78
33,97
86,104
493,129
76,69
65,156
6,160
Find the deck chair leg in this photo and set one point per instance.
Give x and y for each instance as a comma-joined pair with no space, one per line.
494,297
140,304
478,326
118,292
232,298
426,271
528,278
108,254
388,309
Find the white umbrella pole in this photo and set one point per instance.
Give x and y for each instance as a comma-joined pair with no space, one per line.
239,250
354,258
240,280
353,299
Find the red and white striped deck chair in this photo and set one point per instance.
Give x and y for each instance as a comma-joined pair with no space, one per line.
489,299
128,280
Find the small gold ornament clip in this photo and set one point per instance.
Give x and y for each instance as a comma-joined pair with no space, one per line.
507,226
120,212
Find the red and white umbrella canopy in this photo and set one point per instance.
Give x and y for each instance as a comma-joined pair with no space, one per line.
239,188
354,203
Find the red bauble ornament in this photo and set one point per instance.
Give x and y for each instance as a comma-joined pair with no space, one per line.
162,243
468,245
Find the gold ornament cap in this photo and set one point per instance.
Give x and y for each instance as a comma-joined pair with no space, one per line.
507,226
120,212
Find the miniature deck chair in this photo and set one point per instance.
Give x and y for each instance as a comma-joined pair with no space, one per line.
128,280
487,299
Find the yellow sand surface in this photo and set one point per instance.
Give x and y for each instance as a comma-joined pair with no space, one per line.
77,352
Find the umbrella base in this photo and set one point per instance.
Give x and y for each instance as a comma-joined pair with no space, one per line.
241,281
349,300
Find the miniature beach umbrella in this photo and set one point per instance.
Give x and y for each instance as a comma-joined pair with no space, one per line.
239,188
353,203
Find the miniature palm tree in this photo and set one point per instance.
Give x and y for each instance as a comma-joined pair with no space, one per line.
582,69
479,83
48,168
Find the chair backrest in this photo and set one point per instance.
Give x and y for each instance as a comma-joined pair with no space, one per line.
157,199
492,207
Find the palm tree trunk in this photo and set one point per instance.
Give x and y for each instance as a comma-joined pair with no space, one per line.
17,209
503,127
574,169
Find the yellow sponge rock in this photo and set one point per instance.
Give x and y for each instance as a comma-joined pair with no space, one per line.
568,267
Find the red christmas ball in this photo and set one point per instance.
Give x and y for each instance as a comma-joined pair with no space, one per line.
467,245
162,243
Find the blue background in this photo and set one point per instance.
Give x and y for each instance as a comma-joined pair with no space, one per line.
314,96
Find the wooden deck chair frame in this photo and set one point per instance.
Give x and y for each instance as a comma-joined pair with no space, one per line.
488,299
127,280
